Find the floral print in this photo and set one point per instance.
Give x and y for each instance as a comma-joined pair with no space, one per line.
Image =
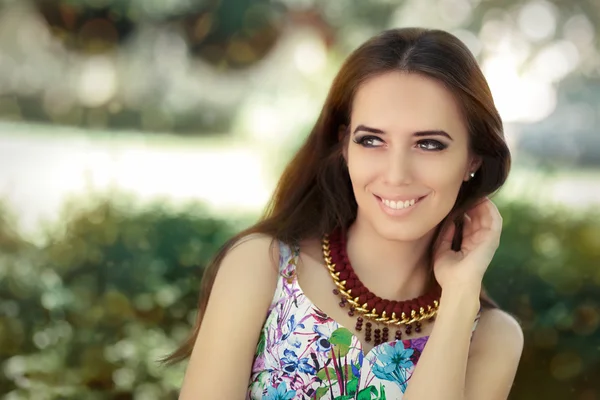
304,354
279,393
393,363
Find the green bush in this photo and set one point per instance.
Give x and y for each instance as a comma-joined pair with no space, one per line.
546,274
115,288
113,291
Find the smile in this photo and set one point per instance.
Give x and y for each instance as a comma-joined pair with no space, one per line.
400,206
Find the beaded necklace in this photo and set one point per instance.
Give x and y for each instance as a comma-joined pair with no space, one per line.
375,310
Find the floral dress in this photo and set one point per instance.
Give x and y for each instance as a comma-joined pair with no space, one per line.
304,354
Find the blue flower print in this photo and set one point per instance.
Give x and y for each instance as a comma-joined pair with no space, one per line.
281,393
291,327
393,363
324,332
356,368
291,363
294,341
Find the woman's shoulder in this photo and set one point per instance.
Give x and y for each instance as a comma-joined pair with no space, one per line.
498,329
255,250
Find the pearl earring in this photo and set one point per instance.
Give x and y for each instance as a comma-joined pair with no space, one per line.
472,174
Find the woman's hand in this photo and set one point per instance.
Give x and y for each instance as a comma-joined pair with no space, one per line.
481,237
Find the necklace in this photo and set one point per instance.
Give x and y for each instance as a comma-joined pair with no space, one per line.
373,309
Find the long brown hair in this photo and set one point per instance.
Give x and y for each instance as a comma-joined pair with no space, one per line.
314,195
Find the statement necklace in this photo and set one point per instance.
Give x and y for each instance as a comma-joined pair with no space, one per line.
375,310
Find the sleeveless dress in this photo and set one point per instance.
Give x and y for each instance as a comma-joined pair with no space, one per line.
304,354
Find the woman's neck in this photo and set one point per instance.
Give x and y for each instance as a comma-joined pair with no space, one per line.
391,269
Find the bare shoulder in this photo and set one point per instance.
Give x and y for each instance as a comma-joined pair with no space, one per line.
221,361
494,356
498,328
252,256
258,250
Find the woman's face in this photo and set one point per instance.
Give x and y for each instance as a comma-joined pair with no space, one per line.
407,154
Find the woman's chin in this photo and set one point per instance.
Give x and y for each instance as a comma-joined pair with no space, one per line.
393,232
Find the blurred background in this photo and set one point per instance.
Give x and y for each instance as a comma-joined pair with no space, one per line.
136,136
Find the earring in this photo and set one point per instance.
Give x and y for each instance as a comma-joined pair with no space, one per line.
472,174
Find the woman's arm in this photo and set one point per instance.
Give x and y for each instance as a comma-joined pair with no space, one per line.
446,371
221,362
495,353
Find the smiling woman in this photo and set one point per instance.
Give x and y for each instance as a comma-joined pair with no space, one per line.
401,152
379,226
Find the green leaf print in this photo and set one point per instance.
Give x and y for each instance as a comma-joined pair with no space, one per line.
261,343
345,397
322,391
341,336
366,393
381,392
322,374
352,386
341,339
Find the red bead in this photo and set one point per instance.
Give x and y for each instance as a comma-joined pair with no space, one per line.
370,304
368,324
418,329
351,312
336,244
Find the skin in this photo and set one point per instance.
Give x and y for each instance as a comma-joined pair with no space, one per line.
387,252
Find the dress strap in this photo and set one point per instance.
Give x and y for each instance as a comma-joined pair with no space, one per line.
288,259
477,318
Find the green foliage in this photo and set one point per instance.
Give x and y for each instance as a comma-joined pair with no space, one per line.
115,288
112,292
546,274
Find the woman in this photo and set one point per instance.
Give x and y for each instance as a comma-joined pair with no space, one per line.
368,264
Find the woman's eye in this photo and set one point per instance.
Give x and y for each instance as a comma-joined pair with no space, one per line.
368,141
431,145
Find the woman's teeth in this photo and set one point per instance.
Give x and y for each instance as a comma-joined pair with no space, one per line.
398,205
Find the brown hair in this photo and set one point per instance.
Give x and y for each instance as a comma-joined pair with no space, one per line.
314,195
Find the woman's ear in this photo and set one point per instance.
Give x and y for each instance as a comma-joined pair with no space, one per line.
472,168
